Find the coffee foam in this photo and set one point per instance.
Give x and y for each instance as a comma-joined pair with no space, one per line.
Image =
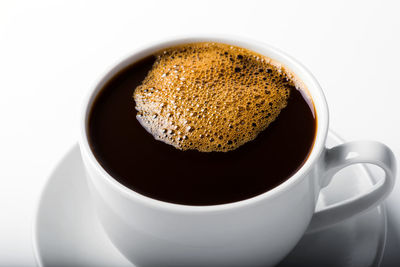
211,96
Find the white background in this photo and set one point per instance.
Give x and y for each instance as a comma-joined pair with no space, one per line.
51,52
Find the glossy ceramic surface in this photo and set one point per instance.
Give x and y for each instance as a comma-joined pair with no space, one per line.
67,232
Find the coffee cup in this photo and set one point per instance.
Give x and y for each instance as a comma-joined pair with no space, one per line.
259,231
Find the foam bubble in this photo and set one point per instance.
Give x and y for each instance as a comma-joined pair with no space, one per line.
211,96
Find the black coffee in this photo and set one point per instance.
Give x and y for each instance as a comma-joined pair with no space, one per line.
158,170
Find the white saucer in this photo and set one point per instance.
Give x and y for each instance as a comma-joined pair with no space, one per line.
67,232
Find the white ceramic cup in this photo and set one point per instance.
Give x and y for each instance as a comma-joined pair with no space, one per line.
258,231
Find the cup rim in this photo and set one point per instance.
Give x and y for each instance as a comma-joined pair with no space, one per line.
312,87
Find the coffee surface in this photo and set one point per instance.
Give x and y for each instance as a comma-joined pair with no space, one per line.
210,96
132,155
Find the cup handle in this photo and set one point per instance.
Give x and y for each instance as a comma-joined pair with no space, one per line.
347,154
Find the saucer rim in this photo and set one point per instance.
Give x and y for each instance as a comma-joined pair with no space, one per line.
383,236
35,226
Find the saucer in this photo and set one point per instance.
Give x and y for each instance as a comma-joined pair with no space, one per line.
67,233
